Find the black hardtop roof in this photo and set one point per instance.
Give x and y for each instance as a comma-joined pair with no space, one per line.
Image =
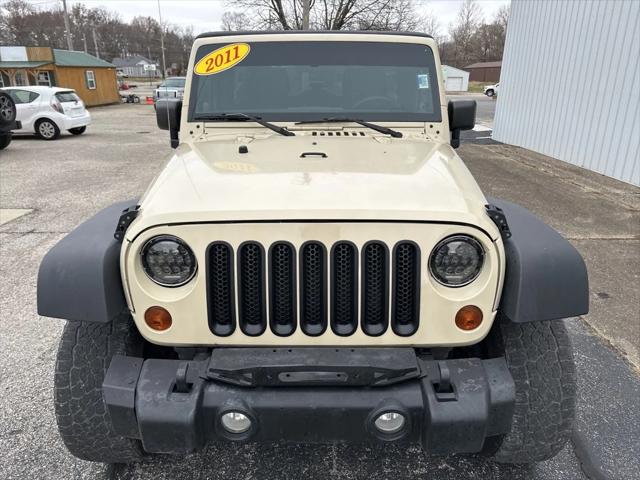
333,32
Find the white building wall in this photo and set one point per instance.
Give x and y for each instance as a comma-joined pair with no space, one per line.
570,83
455,80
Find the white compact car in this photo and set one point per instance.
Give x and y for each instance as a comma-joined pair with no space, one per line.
491,90
49,110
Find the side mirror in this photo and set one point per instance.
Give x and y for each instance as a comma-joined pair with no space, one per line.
462,116
168,114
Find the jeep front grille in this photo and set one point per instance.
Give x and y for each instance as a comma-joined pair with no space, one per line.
337,285
313,288
252,305
220,296
375,288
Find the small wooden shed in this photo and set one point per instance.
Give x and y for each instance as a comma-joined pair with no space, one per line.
92,78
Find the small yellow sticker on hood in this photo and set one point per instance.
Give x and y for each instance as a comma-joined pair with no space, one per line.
222,59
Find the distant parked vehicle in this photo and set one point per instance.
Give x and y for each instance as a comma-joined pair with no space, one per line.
172,87
491,90
49,110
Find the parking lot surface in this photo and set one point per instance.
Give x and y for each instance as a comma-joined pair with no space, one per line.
61,183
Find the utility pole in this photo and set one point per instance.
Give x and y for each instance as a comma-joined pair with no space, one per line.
305,14
66,25
84,39
164,62
95,42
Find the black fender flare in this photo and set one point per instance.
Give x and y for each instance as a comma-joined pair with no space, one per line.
546,277
79,278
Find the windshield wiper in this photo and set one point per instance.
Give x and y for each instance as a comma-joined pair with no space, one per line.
243,117
372,126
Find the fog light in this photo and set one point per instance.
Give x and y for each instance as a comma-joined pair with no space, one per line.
235,422
390,422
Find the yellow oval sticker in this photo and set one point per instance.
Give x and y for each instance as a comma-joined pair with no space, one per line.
222,59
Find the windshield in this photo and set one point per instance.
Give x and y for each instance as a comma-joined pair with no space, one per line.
301,81
174,83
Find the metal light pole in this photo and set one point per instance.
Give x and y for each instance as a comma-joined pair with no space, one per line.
95,43
164,62
305,14
66,25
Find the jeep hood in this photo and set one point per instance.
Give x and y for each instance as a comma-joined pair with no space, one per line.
364,178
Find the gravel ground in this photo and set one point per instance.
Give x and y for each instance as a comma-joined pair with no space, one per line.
68,180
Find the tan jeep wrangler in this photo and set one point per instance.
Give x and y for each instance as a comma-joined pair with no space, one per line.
314,264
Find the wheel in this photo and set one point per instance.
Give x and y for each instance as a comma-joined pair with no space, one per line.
84,355
78,130
5,140
490,93
7,109
540,358
47,129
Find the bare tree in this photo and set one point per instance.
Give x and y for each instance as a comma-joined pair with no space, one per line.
234,21
501,20
430,24
330,14
502,16
24,24
390,16
463,31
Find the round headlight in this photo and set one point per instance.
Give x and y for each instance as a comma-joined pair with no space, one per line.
168,261
456,261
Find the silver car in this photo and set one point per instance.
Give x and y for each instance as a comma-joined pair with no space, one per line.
172,87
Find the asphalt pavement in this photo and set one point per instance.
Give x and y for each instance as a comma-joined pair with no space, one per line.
485,107
61,183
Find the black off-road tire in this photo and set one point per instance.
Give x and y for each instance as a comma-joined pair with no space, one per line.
5,140
84,355
540,358
490,93
7,110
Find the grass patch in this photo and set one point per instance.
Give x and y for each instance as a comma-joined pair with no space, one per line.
477,87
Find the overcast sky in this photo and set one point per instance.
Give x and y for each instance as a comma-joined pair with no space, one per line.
205,15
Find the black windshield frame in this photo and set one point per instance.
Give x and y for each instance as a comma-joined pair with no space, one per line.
350,54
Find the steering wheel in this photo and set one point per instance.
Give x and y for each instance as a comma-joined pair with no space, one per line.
375,98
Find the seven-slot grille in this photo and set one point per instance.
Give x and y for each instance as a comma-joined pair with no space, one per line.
314,288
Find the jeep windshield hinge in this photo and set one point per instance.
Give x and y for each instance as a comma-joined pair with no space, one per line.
498,217
128,215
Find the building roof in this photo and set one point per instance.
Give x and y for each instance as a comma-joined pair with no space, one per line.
132,61
12,64
449,67
485,64
66,58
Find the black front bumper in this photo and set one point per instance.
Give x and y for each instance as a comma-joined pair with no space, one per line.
310,395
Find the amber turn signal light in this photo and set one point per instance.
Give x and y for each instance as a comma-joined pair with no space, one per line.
157,318
469,317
